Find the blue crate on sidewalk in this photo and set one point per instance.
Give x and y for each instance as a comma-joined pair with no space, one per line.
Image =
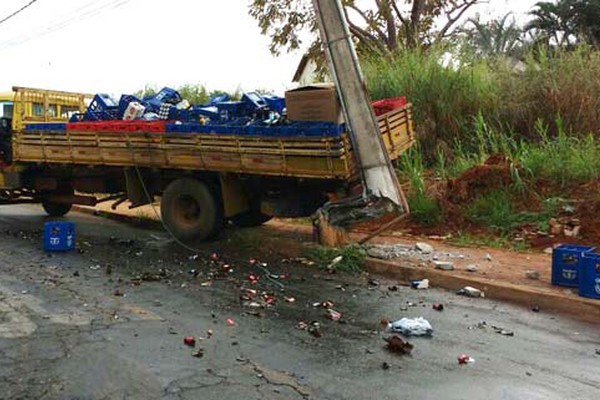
566,264
59,236
589,276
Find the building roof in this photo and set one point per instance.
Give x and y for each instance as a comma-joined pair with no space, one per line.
303,63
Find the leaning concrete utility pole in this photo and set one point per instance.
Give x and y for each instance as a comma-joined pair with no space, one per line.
378,175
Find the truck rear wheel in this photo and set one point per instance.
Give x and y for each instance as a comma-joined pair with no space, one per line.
56,209
191,210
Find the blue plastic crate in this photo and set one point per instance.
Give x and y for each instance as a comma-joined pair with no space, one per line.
275,103
59,236
566,264
231,109
166,95
253,102
46,127
102,108
589,276
124,102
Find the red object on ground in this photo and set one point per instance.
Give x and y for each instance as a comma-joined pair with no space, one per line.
253,278
386,105
464,359
189,340
230,322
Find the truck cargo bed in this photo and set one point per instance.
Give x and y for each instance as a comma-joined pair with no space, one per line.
308,157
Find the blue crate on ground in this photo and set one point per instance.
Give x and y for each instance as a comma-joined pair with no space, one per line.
589,276
566,264
59,236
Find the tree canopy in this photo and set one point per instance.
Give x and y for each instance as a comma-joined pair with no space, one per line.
382,28
566,23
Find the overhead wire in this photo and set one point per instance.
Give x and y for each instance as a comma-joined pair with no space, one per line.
19,11
83,12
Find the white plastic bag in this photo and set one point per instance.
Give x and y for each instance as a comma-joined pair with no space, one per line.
411,327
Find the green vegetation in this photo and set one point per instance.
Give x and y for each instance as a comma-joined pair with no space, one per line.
194,93
495,242
450,101
424,209
353,257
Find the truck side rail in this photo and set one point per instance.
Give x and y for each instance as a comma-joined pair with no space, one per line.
305,157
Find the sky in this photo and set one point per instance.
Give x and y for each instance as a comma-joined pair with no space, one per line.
119,46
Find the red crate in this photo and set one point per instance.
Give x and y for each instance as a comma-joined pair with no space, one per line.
118,126
386,105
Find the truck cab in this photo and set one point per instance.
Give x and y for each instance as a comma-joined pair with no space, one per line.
6,104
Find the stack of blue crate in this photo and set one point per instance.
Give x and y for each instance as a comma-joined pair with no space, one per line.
577,267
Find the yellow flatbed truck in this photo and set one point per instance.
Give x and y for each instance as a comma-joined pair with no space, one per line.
204,180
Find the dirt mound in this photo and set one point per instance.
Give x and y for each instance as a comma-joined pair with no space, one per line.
493,174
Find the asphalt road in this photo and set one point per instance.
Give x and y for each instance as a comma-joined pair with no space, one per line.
108,322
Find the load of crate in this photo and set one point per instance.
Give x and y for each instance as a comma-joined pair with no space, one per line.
578,267
312,111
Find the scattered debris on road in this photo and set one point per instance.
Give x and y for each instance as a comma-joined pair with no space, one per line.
535,308
333,315
411,327
472,268
422,284
424,248
189,341
374,283
438,307
396,344
198,353
444,265
470,291
533,275
465,359
315,329
488,257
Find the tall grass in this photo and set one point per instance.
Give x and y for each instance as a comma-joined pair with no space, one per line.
451,102
425,210
445,98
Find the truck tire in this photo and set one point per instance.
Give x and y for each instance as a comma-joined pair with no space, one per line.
250,219
56,209
191,210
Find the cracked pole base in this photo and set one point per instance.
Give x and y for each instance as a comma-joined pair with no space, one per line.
326,234
332,222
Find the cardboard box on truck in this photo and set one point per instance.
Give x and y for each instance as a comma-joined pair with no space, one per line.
317,102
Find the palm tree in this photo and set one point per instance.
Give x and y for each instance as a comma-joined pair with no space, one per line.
555,22
498,37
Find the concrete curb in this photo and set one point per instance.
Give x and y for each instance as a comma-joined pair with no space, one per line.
573,306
